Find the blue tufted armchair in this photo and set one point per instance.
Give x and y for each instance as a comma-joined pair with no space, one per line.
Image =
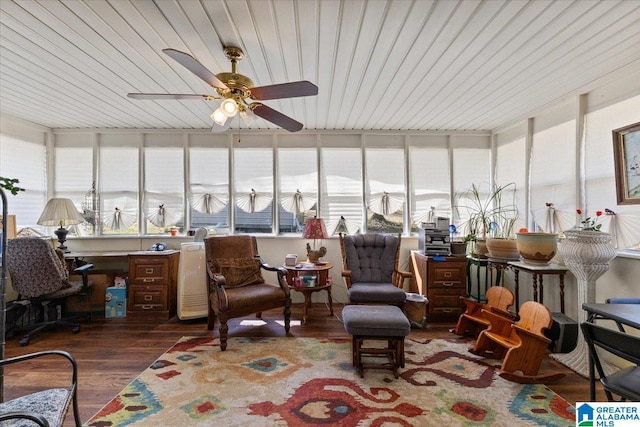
370,268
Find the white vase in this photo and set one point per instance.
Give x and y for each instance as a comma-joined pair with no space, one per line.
587,255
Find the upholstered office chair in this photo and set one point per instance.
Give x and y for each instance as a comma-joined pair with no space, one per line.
38,273
370,268
236,285
47,407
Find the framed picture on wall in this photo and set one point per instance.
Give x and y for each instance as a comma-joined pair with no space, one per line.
626,151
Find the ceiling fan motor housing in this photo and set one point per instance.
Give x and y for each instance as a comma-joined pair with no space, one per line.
238,84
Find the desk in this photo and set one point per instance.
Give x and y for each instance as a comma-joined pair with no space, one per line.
537,271
622,314
320,272
75,258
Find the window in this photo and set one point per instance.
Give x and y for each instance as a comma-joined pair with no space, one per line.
73,179
342,187
24,160
385,189
600,193
209,187
471,165
553,175
430,183
297,187
163,188
253,189
118,189
511,167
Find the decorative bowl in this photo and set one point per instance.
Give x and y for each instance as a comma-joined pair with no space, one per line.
537,248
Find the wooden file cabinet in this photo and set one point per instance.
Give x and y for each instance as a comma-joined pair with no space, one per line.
444,283
153,278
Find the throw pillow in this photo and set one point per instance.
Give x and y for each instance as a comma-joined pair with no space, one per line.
238,271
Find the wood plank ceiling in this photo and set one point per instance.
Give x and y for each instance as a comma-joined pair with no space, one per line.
402,64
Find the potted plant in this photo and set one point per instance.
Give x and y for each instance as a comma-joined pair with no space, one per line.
9,184
490,216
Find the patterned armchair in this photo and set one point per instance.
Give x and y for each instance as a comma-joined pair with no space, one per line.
370,268
236,285
38,273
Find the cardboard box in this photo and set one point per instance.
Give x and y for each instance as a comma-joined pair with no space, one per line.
115,302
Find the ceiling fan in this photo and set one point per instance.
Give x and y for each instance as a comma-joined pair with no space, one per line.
234,89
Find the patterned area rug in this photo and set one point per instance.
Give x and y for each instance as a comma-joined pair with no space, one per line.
306,382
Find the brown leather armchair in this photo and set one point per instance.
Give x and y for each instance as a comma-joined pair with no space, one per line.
236,285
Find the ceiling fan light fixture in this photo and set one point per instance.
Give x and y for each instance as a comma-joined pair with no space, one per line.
247,116
219,116
229,107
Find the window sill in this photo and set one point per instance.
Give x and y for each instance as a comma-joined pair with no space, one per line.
629,253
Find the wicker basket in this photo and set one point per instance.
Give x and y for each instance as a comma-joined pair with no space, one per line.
415,307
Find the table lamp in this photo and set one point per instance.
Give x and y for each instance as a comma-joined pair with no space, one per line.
60,212
314,229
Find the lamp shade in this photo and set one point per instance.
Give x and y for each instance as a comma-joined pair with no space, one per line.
314,228
60,212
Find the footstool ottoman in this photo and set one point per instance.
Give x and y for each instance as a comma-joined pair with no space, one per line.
380,323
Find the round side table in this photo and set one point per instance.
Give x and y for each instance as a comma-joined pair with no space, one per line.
320,273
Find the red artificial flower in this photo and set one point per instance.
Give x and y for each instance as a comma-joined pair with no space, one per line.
579,211
598,213
523,230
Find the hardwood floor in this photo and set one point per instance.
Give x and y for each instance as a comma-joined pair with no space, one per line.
112,352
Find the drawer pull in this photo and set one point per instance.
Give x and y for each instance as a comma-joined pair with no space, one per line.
148,297
449,284
447,310
448,274
148,271
147,307
147,280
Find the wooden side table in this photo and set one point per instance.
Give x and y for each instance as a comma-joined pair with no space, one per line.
537,271
320,272
480,264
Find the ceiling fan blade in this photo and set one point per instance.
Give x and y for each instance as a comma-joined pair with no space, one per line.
169,96
192,64
276,117
284,90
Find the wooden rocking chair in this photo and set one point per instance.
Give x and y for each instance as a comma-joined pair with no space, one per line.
522,344
473,320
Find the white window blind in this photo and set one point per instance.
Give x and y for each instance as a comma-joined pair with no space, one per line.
73,178
24,160
600,184
118,189
470,166
163,188
511,167
297,187
385,189
342,187
430,184
553,174
209,187
253,190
